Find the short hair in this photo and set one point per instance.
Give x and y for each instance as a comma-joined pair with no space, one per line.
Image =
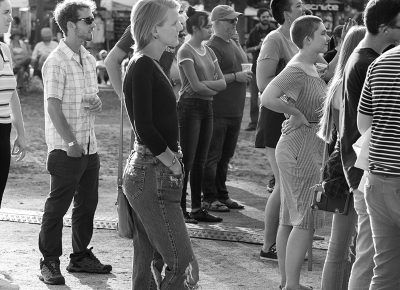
145,16
67,10
380,12
277,9
304,26
261,11
197,19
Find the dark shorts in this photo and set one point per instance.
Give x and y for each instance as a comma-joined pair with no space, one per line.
268,129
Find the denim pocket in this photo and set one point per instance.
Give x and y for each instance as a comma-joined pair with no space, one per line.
169,185
133,180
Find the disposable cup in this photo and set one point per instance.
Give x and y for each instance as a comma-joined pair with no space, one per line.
246,66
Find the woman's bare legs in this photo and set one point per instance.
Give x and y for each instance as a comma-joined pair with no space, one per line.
281,245
271,214
297,245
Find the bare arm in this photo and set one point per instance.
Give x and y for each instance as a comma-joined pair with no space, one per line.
219,84
113,65
197,86
60,123
18,123
266,71
363,122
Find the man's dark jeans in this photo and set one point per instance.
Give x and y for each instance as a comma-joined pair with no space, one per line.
254,103
222,147
195,128
71,178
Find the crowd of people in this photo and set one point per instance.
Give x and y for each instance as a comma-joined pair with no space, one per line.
184,91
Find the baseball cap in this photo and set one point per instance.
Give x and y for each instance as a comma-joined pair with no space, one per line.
223,12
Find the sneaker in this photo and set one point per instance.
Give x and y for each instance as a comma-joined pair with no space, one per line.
203,216
216,206
270,255
271,184
231,204
250,128
189,219
87,262
51,273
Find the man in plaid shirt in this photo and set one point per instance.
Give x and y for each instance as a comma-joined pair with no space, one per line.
70,104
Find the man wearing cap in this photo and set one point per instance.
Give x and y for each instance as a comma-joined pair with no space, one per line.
42,50
228,108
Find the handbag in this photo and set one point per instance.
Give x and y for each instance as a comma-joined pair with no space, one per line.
332,193
125,227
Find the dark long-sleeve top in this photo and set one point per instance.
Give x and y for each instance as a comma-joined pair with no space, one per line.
151,105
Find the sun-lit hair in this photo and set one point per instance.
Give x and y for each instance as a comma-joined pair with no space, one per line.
302,27
67,10
350,42
145,16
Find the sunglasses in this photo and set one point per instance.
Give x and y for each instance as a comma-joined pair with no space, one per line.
88,20
231,21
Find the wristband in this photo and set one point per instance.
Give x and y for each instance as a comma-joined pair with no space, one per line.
70,144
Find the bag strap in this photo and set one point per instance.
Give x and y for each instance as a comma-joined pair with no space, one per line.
325,154
121,143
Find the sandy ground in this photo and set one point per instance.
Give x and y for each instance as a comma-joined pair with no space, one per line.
223,265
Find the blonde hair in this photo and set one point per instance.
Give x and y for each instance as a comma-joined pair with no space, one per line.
145,16
350,42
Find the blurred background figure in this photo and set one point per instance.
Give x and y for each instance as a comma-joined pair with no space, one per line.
253,46
42,50
21,57
335,43
102,75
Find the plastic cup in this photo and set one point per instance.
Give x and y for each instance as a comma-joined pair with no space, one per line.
246,66
88,99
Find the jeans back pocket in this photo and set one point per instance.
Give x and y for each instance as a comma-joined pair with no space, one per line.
134,180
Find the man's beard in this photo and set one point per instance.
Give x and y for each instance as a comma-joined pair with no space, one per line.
265,22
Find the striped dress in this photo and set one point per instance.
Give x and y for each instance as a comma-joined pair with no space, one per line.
299,154
8,84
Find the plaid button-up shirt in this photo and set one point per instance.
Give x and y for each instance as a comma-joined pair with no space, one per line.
66,79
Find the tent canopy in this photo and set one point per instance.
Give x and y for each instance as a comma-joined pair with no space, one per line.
117,4
20,3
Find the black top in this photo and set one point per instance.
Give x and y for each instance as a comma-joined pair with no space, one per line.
354,77
151,105
126,42
257,35
229,103
329,55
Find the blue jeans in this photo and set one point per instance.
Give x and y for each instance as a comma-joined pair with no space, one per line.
160,235
382,194
70,179
254,103
222,148
195,128
337,266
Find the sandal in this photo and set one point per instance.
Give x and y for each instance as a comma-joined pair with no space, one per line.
301,287
215,206
232,204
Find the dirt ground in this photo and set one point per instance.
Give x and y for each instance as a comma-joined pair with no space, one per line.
223,265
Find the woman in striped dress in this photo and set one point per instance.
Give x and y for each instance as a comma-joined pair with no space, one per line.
298,91
10,107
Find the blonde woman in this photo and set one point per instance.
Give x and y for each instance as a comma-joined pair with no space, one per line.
336,271
154,173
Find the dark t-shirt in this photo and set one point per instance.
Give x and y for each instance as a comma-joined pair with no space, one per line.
125,43
354,77
329,55
229,103
256,36
151,105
